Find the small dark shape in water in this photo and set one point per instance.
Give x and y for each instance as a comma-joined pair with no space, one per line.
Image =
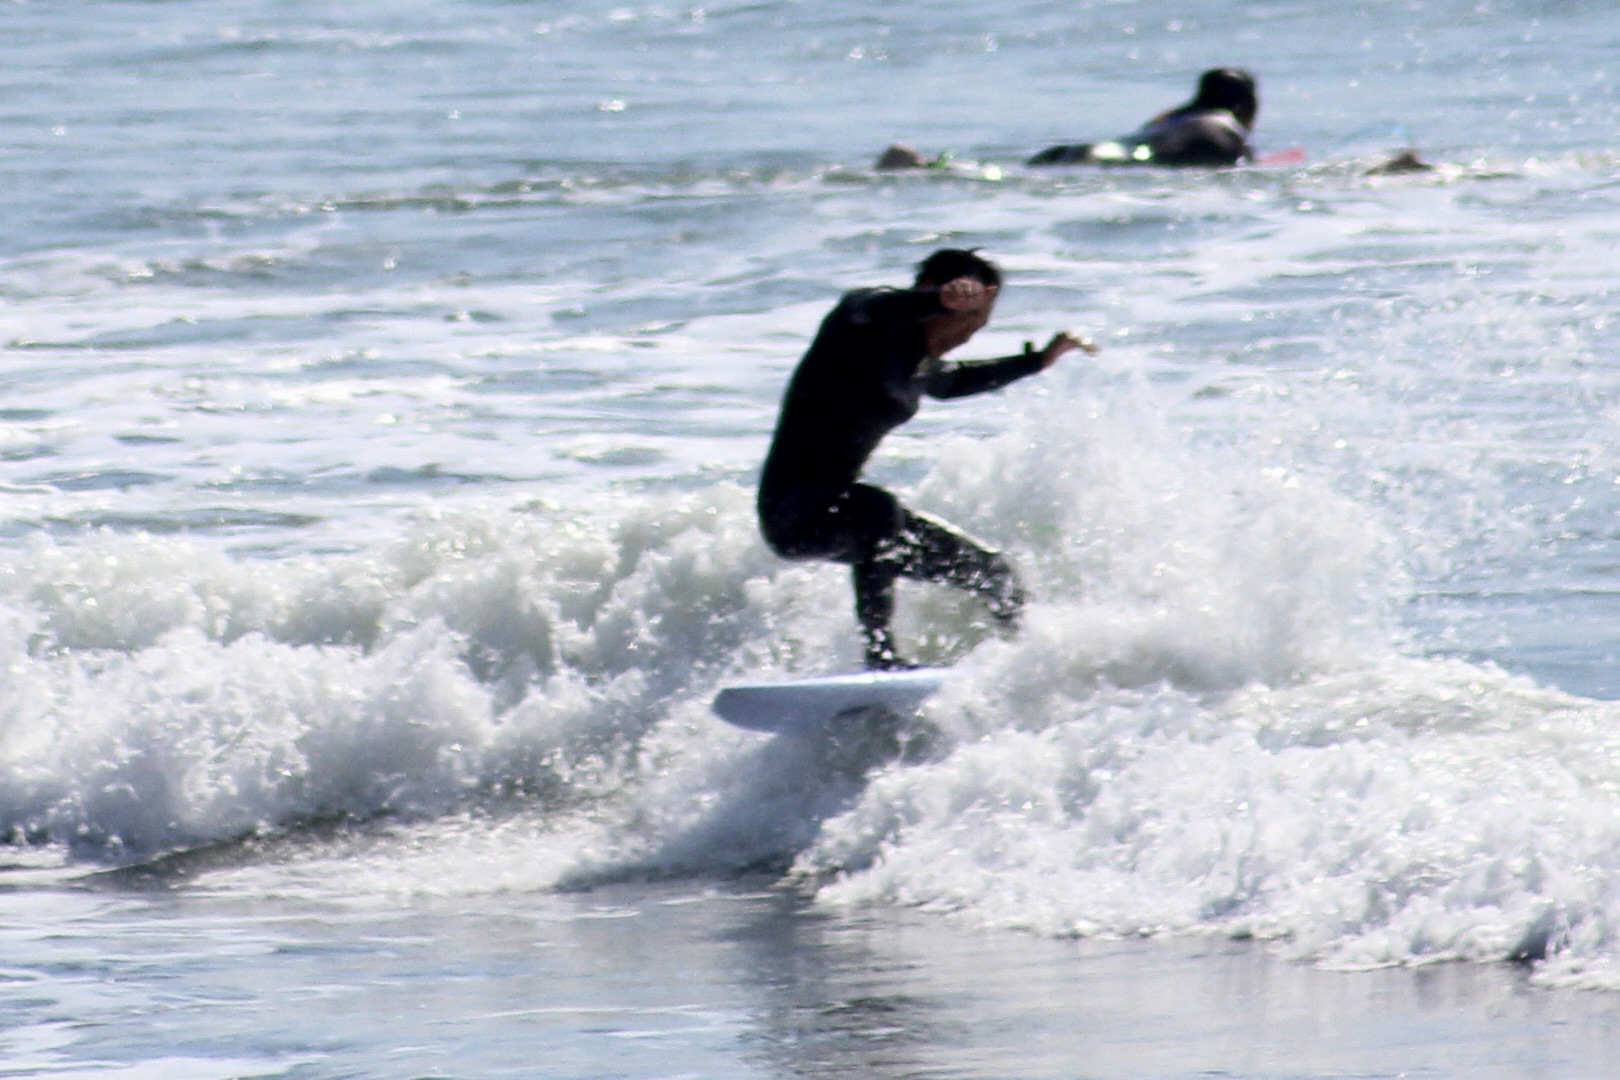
1407,161
901,156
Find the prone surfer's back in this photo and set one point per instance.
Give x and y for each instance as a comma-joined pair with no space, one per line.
1202,138
1212,129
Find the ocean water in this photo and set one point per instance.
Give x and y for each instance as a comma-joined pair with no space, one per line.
383,391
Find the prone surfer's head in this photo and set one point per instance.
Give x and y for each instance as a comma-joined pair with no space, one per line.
1232,89
948,264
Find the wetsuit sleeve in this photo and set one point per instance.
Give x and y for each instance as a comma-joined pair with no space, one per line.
942,379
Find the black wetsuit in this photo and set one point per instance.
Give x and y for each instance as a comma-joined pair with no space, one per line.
863,376
1182,137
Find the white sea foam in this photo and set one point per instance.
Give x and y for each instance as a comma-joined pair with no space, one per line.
1207,724
1405,813
164,695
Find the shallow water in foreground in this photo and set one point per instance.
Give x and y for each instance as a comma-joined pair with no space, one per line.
739,980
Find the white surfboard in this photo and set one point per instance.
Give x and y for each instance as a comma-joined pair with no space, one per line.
804,707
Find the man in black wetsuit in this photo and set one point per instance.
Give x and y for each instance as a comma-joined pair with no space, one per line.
874,357
1210,130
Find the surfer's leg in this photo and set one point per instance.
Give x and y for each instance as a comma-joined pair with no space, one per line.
874,608
927,549
875,519
853,527
882,540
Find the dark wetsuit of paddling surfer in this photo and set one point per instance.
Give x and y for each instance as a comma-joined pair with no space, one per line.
1210,130
875,356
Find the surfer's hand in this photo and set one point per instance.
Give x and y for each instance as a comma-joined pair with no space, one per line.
966,294
1063,342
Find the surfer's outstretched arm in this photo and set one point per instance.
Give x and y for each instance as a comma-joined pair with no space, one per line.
947,379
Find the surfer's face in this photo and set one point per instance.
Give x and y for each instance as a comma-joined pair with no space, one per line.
953,328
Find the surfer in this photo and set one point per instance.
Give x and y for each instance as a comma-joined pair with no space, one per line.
873,358
1211,129
897,156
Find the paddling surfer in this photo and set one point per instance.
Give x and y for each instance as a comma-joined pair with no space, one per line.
874,357
1210,130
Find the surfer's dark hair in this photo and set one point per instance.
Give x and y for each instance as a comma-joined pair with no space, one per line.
1227,88
948,264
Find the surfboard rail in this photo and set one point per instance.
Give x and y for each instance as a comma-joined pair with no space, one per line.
803,707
